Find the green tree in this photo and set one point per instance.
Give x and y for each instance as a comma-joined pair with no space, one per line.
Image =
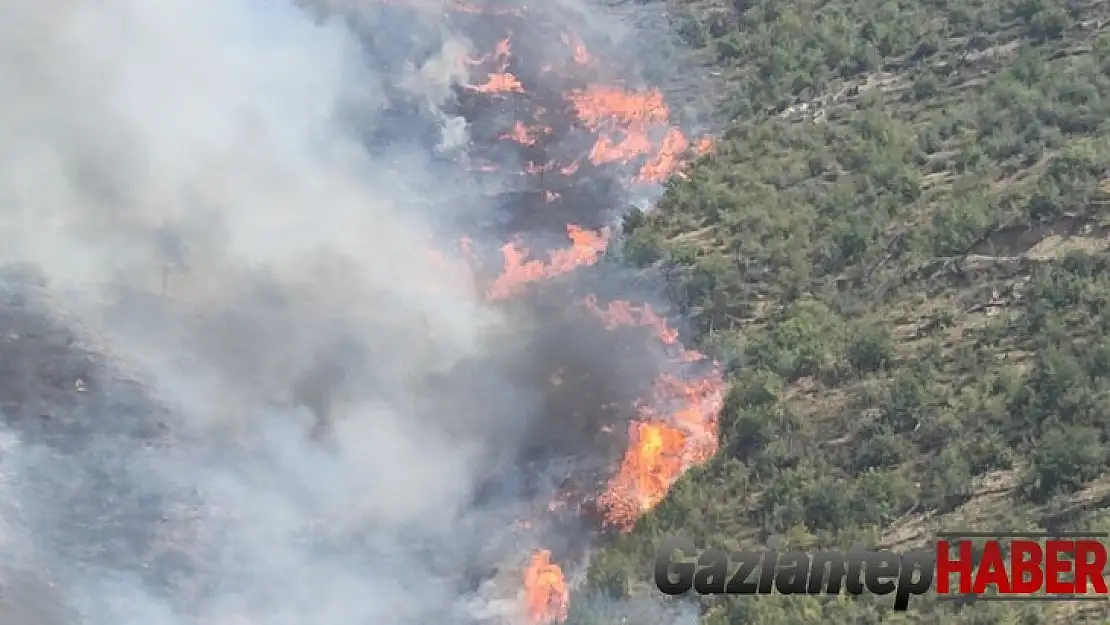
1064,459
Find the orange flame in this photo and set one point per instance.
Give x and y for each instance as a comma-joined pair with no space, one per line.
632,145
524,135
624,313
586,249
545,590
677,429
626,122
659,452
499,82
601,105
668,159
653,460
502,53
697,404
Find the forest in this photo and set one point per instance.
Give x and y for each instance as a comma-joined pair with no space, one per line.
898,246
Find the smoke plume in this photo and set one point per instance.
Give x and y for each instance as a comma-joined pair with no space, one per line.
268,398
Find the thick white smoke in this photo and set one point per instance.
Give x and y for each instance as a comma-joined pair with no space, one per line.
225,136
322,403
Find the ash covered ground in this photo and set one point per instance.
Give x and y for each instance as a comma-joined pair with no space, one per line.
250,375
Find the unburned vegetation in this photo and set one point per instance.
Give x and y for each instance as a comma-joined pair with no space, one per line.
898,245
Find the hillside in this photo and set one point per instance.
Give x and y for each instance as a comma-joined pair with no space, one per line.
898,246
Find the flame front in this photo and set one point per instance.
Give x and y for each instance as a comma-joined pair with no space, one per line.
677,430
547,599
587,247
654,458
676,426
626,123
624,313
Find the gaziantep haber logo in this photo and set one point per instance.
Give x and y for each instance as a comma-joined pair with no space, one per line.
992,566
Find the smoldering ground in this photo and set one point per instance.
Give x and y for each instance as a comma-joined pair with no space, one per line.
290,167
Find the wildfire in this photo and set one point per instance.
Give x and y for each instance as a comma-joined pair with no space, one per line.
524,135
671,151
677,431
545,591
693,405
499,82
502,53
586,249
654,458
626,123
599,106
624,313
676,426
633,144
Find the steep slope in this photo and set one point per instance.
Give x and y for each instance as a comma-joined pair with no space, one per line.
899,246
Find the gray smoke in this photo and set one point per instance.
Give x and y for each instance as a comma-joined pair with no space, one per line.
319,399
215,149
